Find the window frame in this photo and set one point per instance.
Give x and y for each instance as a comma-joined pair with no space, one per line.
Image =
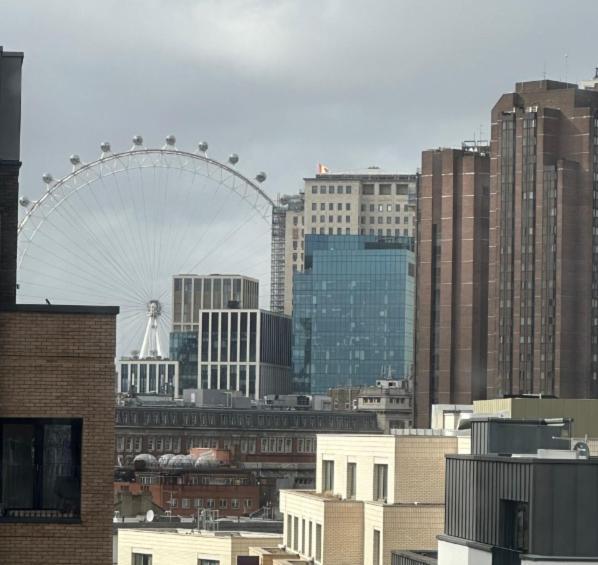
39,424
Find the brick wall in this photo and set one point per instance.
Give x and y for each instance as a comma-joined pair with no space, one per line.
59,362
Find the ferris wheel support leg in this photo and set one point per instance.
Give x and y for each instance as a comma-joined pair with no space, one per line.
145,346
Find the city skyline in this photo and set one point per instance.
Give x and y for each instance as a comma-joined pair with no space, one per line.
292,98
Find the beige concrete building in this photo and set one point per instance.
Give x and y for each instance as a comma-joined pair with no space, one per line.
582,411
188,547
374,494
368,202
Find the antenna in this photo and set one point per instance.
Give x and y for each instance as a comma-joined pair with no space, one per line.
566,65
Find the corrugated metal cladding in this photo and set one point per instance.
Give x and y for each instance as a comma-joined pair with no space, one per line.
411,558
562,497
473,490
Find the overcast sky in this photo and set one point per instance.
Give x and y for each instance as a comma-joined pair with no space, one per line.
284,83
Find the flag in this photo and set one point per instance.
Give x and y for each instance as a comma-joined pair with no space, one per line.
322,169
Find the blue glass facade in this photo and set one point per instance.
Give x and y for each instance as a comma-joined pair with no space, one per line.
353,311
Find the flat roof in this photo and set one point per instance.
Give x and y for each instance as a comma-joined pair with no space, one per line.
61,309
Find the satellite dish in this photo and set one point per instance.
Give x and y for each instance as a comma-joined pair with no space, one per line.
149,516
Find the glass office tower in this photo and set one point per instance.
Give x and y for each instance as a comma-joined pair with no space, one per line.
353,311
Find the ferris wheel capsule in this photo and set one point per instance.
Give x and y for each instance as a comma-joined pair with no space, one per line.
170,140
24,201
202,146
233,159
105,147
137,141
47,178
75,160
261,176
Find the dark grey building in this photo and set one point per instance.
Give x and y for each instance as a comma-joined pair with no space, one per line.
10,163
506,509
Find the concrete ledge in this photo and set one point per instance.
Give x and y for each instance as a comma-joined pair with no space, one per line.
61,309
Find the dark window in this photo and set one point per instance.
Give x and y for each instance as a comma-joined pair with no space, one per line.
351,479
141,559
380,482
514,525
40,462
327,476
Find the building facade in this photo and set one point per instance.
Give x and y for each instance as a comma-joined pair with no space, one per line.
57,445
353,310
543,283
242,350
278,445
147,376
452,279
369,202
373,494
199,547
192,293
10,164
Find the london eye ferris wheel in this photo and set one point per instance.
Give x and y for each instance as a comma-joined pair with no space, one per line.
114,231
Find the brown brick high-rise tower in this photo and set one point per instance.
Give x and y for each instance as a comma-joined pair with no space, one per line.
543,290
452,279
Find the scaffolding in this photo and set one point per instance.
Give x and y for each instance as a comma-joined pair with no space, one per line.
277,257
285,204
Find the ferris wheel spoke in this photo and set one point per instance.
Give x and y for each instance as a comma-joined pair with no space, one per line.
223,205
91,287
91,238
83,293
222,242
115,231
122,255
138,243
82,260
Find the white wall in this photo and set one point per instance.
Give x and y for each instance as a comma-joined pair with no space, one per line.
455,554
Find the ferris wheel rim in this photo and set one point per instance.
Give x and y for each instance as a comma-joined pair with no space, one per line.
81,168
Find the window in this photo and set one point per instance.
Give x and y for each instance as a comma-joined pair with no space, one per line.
289,530
141,559
380,482
318,542
367,189
234,503
198,502
207,562
339,189
348,189
348,206
40,466
296,533
309,528
210,503
303,536
185,503
314,189
222,504
248,503
376,548
385,189
327,476
351,477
